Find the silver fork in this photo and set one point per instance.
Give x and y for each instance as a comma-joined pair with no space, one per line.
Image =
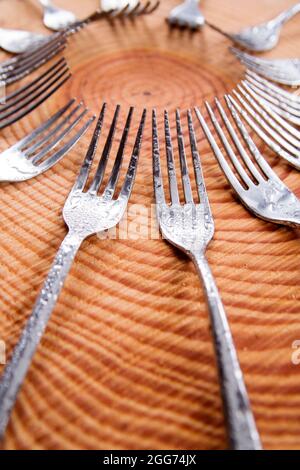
286,104
20,41
24,100
18,67
85,214
187,14
253,180
56,18
283,71
34,154
262,37
272,93
190,227
132,8
282,137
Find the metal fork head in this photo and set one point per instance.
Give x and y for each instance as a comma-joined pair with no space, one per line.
187,15
261,37
129,9
41,150
86,212
24,64
24,100
251,177
276,132
283,71
187,226
284,103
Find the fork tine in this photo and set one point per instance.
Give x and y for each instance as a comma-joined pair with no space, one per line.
31,104
119,13
26,69
132,167
52,44
170,162
135,10
59,138
232,179
183,163
262,163
42,86
157,176
292,158
111,185
87,163
46,137
144,8
28,139
247,160
25,56
271,87
231,154
278,101
196,161
58,66
96,183
277,127
23,100
155,6
53,159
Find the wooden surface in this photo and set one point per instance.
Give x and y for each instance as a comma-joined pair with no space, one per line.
127,361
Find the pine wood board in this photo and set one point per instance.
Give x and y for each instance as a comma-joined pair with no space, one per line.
127,361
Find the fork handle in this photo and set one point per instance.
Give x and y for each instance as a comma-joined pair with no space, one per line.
15,371
287,15
241,427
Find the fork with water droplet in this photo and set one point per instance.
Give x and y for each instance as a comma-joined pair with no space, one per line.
85,213
190,227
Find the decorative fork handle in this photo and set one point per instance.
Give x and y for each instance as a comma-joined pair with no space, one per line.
241,425
15,371
286,15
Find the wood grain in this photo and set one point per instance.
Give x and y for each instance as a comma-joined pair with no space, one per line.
127,360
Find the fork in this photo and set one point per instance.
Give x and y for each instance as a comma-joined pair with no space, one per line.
187,14
129,8
33,155
285,104
85,214
283,71
262,37
271,90
18,67
190,227
56,18
20,41
254,181
24,100
276,132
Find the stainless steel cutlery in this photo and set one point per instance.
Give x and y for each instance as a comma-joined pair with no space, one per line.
283,138
189,226
187,14
261,37
56,18
86,212
41,150
18,67
283,71
247,171
28,97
